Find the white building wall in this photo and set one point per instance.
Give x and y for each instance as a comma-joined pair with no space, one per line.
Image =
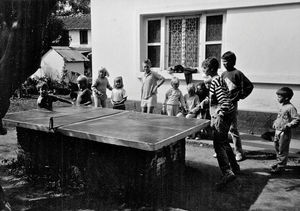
52,65
265,39
75,39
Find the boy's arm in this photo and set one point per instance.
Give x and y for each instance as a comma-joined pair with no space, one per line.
108,85
182,102
222,97
197,105
295,118
63,100
94,86
160,81
246,87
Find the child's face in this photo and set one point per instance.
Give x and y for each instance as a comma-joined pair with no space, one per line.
228,64
101,74
199,88
175,85
206,71
81,85
281,99
191,91
43,91
146,67
118,84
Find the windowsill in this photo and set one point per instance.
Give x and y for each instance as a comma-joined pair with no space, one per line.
256,79
196,76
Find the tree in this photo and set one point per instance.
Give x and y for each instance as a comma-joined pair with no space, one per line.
22,24
71,7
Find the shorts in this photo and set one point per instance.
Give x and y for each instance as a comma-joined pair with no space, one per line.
150,102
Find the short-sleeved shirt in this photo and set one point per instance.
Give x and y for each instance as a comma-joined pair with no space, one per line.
149,82
118,94
287,115
46,101
192,102
174,97
101,84
84,97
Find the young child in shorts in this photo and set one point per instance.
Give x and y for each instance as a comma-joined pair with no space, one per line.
99,88
118,94
287,118
151,81
173,99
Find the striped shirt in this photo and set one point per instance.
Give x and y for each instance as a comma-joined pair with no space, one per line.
218,95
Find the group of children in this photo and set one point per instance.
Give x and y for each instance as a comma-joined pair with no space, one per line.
84,95
215,98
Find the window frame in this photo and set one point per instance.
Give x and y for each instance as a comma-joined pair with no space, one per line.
205,43
162,40
164,45
81,38
183,17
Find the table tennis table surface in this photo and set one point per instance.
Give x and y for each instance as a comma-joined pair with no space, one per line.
148,132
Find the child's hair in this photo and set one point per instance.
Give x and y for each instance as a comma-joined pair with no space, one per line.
174,80
191,88
103,69
42,85
120,79
147,62
286,92
211,63
82,78
229,56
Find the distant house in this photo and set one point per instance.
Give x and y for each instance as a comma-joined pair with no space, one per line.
74,58
79,29
59,60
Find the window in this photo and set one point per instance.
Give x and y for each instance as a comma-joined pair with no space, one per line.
213,40
153,43
185,40
83,34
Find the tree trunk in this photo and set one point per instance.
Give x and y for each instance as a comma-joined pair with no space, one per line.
22,24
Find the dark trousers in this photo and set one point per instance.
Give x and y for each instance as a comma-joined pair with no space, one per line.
282,145
225,155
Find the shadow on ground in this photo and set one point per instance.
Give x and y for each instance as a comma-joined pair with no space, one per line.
197,192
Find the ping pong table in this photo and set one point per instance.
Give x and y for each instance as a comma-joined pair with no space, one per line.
130,155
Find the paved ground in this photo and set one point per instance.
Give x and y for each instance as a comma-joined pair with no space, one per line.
255,189
281,192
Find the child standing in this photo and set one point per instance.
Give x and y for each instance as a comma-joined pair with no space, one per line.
239,88
173,99
150,83
45,99
84,94
118,94
287,118
99,88
192,103
222,114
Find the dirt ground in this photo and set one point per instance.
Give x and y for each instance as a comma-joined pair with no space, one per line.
197,193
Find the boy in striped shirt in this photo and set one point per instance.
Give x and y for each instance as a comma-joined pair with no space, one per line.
222,114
